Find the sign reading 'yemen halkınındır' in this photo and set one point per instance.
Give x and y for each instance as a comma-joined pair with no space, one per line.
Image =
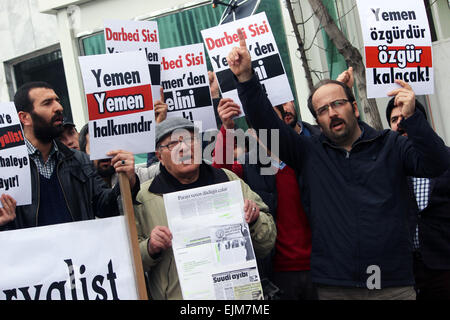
119,98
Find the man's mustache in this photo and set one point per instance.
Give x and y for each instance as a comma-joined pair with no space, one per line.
57,117
336,121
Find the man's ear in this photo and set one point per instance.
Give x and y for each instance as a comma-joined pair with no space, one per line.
25,118
355,109
158,155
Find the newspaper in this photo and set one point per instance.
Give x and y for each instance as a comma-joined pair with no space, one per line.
211,242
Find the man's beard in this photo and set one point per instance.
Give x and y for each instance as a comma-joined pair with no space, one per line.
44,131
344,135
105,173
294,121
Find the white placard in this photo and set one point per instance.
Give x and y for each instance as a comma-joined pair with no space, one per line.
184,78
15,176
88,260
211,242
266,60
122,36
120,103
398,45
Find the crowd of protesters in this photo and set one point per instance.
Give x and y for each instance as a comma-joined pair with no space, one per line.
334,200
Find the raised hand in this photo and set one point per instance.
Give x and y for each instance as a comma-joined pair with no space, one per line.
228,110
160,108
240,61
347,77
404,98
213,85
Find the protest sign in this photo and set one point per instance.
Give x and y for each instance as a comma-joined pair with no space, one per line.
266,60
122,36
184,78
211,243
120,103
15,176
88,260
397,46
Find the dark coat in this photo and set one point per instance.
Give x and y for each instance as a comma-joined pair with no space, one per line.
357,202
434,223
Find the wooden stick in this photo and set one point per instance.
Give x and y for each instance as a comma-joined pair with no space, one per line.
127,203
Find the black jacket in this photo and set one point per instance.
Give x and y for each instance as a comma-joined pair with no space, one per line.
357,202
434,223
86,194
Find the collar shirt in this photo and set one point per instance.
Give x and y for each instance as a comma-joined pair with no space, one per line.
44,168
421,192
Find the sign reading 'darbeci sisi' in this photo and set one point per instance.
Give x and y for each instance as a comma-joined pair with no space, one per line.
121,36
266,59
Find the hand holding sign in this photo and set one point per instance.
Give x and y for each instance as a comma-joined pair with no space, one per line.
404,98
8,212
160,239
240,61
123,161
160,108
228,110
251,211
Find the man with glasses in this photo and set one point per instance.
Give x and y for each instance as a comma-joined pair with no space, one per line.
353,181
178,149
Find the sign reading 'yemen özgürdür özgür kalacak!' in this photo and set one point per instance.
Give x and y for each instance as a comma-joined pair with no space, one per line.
266,60
184,78
398,45
118,92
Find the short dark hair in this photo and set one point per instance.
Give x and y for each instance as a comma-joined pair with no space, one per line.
348,92
82,137
391,106
22,99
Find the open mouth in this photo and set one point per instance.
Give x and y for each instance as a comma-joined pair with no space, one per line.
58,120
337,124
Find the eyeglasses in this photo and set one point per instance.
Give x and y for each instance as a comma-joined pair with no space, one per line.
334,105
188,141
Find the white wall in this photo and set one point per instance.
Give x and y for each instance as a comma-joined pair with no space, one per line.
23,30
440,101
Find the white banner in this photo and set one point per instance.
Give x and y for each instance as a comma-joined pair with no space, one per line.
211,242
15,176
398,45
88,260
120,103
266,60
184,78
121,36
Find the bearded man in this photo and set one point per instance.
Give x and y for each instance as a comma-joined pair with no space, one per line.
65,186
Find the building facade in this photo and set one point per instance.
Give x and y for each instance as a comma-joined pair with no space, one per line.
42,40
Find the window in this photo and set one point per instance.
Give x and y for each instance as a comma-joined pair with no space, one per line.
49,68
